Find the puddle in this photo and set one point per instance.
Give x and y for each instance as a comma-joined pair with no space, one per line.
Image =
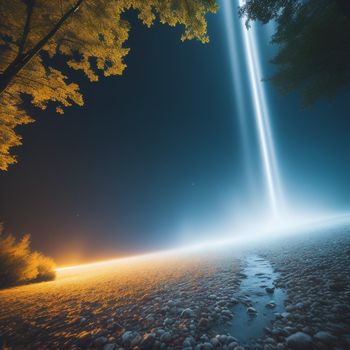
259,275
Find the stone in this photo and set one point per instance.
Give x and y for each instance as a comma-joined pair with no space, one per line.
251,311
187,313
299,341
290,308
165,337
325,337
215,342
110,346
269,340
289,330
271,305
231,339
186,344
300,305
147,341
168,321
203,323
206,346
223,338
171,303
204,338
100,341
159,331
232,346
227,313
270,290
131,338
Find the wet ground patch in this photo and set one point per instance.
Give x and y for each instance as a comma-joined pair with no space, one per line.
258,301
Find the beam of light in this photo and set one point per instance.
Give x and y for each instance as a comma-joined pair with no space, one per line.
237,80
261,111
291,226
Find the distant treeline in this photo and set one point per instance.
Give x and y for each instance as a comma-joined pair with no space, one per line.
19,265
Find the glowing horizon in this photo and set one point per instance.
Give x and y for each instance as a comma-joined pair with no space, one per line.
292,226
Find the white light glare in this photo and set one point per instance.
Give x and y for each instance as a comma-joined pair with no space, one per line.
241,239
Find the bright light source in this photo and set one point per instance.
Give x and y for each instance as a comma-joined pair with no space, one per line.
261,114
239,239
258,96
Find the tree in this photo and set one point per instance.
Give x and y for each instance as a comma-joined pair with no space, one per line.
20,265
313,43
86,35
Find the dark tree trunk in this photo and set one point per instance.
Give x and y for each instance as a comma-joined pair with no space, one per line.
23,59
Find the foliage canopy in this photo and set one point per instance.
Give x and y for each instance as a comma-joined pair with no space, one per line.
19,265
86,35
313,43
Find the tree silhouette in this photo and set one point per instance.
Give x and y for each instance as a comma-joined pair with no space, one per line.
86,35
20,265
313,43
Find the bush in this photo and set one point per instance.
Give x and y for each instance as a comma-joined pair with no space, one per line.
19,265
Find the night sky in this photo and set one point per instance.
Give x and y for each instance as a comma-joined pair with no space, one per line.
155,155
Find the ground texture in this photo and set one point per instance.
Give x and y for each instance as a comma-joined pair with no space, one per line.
182,302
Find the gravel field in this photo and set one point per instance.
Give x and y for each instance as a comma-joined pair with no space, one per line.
315,272
290,294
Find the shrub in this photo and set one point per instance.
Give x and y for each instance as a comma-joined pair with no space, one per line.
19,265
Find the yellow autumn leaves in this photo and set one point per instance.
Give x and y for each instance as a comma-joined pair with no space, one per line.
91,40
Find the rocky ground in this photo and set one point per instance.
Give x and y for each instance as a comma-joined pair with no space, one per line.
181,302
315,272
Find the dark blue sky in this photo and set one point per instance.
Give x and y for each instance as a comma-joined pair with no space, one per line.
157,151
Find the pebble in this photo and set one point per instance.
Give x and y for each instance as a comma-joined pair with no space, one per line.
147,341
165,337
271,305
317,308
204,346
110,346
203,323
131,338
232,346
187,313
215,342
299,341
100,341
251,311
325,337
168,321
270,290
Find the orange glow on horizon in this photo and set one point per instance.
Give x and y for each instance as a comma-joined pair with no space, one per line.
278,229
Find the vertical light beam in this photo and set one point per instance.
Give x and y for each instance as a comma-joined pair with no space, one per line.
261,111
233,37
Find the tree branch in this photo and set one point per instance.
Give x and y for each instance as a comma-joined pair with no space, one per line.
15,67
30,6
